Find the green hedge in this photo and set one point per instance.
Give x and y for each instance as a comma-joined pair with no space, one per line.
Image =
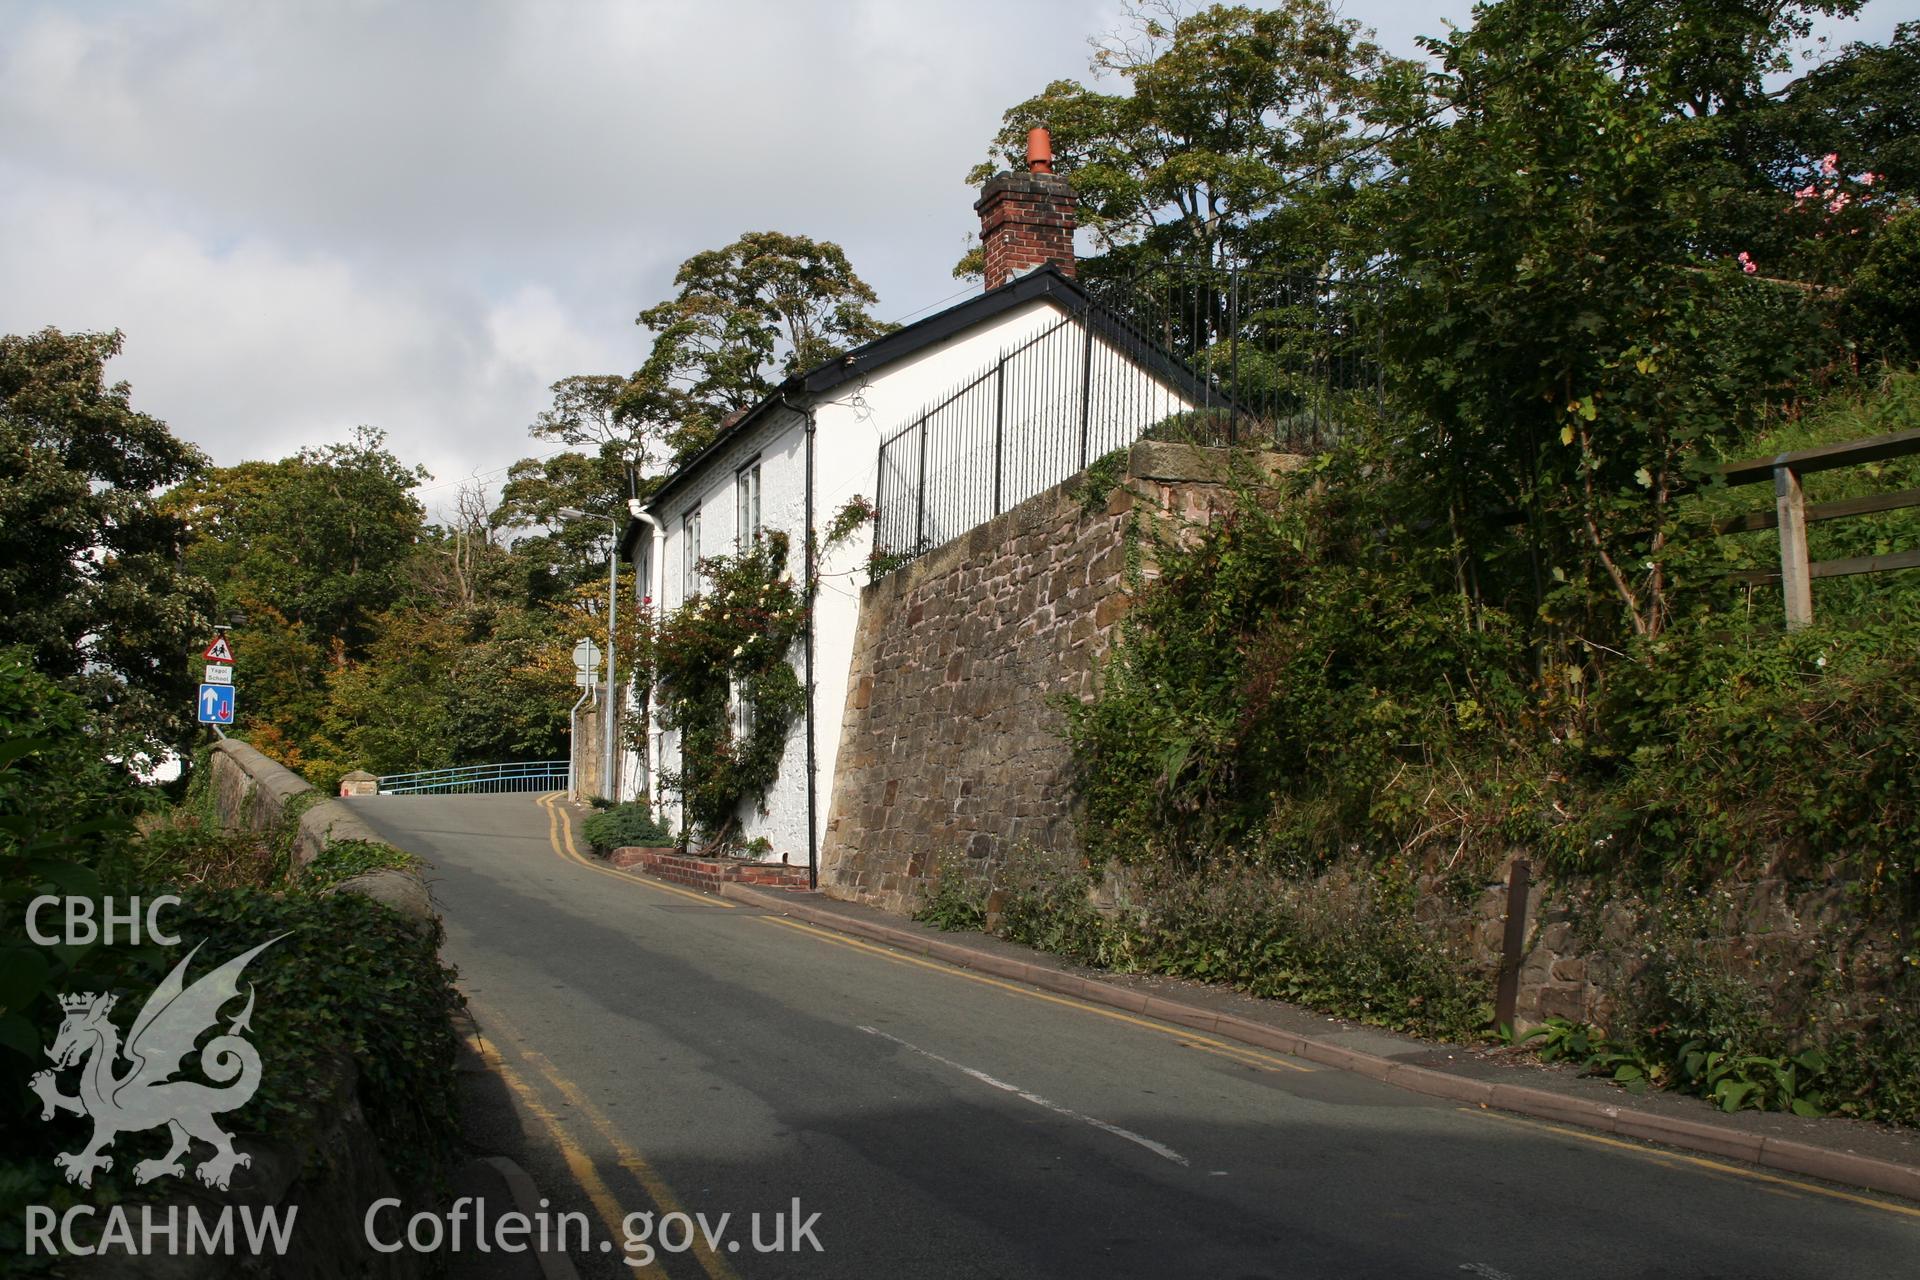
623,825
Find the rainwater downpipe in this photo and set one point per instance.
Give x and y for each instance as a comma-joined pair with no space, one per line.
573,740
650,600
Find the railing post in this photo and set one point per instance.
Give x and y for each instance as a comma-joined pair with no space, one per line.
1233,355
999,429
1796,581
920,503
880,499
1086,387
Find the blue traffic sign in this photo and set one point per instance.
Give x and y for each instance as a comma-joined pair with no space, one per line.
216,704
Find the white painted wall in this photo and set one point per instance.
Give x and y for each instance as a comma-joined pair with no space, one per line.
849,428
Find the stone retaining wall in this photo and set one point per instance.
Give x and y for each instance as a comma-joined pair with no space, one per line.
953,739
1802,949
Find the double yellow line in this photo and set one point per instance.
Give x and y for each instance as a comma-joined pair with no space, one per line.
560,839
1768,1181
605,1203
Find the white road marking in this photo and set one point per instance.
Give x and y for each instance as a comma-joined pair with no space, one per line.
1484,1271
1160,1149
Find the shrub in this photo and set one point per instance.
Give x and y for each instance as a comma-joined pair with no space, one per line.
345,859
957,902
622,825
352,981
1881,305
353,978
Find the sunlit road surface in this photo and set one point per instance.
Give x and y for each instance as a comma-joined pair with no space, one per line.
655,1051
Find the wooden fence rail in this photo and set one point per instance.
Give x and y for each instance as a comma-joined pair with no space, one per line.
1792,514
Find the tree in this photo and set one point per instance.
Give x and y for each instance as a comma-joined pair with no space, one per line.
1553,314
631,424
392,711
554,554
1751,160
746,315
310,551
1699,57
90,579
317,538
1865,105
1241,134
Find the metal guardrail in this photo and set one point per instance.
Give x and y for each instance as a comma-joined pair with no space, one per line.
479,779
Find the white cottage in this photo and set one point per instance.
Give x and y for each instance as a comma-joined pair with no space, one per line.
797,457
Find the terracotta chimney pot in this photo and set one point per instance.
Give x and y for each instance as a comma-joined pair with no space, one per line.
1039,151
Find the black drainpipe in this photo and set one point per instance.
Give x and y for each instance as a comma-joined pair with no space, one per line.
813,790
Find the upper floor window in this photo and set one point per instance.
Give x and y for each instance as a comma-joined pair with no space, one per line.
747,491
690,554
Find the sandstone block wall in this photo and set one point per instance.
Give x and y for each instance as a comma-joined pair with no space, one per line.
953,739
251,790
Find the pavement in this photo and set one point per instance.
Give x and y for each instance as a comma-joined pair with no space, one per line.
643,1049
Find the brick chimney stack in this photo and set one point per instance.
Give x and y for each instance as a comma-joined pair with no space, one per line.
1026,219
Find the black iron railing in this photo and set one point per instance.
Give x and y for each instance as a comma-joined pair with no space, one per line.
1210,357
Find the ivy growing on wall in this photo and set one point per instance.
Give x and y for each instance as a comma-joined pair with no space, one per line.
723,667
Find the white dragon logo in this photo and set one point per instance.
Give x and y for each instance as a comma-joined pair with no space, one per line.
144,1098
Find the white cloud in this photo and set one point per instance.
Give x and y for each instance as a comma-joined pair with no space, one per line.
255,350
418,215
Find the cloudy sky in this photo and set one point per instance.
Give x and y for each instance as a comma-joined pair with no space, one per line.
418,215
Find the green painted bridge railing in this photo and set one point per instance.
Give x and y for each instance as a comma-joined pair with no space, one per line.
479,779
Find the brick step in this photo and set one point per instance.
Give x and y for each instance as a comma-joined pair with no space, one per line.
708,874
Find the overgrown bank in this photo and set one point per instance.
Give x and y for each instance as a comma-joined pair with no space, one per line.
1334,715
352,996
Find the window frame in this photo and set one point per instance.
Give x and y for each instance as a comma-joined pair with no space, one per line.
748,488
691,580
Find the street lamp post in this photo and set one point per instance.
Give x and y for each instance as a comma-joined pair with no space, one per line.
613,613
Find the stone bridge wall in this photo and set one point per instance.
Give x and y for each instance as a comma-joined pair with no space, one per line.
254,792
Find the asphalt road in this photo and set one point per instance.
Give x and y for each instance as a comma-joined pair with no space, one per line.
651,1050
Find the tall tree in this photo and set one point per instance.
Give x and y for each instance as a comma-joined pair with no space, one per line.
90,578
553,552
1556,310
1865,105
1240,133
746,315
1699,57
310,550
318,538
632,425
